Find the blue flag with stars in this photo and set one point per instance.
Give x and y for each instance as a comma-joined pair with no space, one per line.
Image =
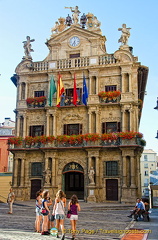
85,91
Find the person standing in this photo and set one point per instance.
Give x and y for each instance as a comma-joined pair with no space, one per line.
45,213
59,212
10,200
74,207
38,211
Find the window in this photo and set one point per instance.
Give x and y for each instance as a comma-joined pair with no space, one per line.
36,130
145,157
111,168
110,88
75,55
69,94
71,129
38,93
109,127
36,169
145,165
146,173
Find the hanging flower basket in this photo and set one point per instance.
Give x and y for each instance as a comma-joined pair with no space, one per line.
15,140
109,94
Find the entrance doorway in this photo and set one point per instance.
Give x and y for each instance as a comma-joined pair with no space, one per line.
73,180
35,186
112,189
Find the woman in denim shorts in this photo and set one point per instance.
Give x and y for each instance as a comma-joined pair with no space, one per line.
59,211
73,207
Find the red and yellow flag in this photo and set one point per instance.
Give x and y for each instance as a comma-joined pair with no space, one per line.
75,91
60,90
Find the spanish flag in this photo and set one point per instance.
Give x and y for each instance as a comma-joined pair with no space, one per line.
75,91
60,90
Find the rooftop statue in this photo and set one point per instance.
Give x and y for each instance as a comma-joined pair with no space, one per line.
75,14
125,34
55,28
27,47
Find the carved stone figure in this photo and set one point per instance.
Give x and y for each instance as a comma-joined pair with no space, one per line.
125,34
91,175
27,47
62,25
75,14
68,20
55,28
47,174
96,23
89,20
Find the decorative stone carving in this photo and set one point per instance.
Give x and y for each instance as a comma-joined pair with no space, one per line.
75,14
72,117
55,28
125,34
123,56
62,25
47,175
91,176
27,47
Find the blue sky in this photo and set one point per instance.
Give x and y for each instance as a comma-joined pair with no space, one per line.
35,18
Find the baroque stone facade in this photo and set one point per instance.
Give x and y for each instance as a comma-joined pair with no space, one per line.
80,49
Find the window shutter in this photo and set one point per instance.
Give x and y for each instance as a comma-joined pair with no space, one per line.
103,127
31,131
80,128
42,130
118,127
65,129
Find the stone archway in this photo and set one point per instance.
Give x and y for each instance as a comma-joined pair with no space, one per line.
73,180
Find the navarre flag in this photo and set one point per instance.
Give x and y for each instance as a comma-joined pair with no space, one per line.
85,91
75,91
60,90
52,90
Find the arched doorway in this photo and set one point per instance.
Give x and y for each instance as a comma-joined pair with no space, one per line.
35,186
73,180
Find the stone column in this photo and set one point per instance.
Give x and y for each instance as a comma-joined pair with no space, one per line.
123,120
53,172
18,126
22,172
124,166
54,124
97,121
132,172
90,121
123,77
97,85
131,119
90,85
19,91
130,82
15,172
24,127
47,129
26,88
97,170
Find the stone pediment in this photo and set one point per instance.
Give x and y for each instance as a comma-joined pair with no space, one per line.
124,56
73,30
24,66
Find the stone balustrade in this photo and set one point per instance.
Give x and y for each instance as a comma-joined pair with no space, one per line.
73,63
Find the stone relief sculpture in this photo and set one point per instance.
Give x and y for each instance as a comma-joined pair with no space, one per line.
27,47
125,34
47,175
91,175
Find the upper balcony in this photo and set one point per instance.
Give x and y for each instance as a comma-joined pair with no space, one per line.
73,63
77,141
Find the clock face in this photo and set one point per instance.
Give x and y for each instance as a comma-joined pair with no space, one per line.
74,41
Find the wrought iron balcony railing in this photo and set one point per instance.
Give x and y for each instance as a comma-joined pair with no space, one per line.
98,143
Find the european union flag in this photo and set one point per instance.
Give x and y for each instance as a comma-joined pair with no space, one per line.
85,92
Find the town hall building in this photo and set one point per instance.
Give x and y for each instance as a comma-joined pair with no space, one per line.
89,146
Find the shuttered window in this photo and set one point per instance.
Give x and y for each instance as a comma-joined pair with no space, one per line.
72,129
36,130
109,127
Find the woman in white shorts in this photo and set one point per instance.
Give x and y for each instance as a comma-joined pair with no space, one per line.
73,207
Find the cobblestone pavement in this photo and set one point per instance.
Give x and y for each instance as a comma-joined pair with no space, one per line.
96,221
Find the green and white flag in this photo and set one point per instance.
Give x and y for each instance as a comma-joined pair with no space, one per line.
52,90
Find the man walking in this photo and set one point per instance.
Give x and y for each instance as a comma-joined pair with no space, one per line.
10,200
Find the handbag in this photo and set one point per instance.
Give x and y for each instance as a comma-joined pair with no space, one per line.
43,210
68,215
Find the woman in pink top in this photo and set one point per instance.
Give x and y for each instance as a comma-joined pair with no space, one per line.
74,207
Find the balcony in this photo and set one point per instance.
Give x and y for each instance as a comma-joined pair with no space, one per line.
36,102
73,63
76,144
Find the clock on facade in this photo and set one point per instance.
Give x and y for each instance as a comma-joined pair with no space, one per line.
74,41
